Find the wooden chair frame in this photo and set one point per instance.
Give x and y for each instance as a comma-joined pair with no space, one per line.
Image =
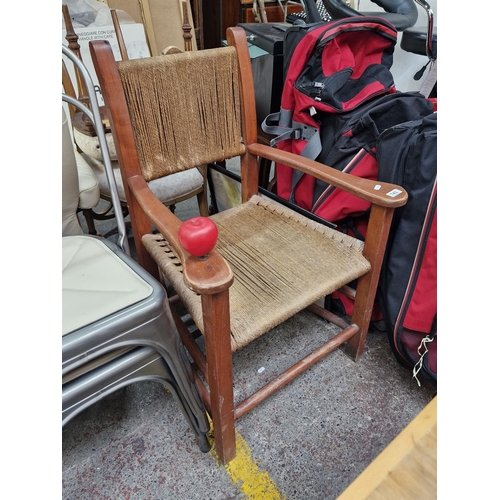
212,277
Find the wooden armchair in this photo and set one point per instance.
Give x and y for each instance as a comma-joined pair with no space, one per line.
189,109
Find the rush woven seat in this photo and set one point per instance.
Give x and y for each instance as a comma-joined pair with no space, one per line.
173,113
281,248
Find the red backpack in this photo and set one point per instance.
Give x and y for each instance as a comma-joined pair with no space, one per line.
338,96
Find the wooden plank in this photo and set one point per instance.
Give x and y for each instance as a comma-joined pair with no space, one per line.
148,27
407,468
162,20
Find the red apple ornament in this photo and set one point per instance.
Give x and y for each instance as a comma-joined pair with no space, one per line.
198,236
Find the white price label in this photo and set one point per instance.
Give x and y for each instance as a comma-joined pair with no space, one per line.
394,193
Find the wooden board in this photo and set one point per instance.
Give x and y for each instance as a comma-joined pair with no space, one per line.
163,24
407,468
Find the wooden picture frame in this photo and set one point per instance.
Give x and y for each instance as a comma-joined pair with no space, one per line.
225,192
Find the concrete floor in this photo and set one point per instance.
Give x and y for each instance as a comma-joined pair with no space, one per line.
308,441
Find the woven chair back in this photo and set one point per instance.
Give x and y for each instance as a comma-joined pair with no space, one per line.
184,109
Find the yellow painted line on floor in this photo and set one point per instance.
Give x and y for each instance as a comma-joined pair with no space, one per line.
243,471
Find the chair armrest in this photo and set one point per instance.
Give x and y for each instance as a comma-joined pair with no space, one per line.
376,192
208,276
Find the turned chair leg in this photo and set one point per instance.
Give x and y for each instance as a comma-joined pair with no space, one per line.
203,203
89,219
203,195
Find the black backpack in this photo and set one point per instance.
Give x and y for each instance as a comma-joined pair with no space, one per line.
407,293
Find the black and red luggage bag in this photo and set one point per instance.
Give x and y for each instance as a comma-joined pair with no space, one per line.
407,292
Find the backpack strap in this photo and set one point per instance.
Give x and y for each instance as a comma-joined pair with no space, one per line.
430,80
281,125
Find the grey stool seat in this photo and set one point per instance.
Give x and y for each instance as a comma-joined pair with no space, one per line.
110,302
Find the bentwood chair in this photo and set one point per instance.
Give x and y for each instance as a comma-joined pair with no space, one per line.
80,189
176,112
171,190
117,327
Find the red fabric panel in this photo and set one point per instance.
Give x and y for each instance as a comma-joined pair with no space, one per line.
423,305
